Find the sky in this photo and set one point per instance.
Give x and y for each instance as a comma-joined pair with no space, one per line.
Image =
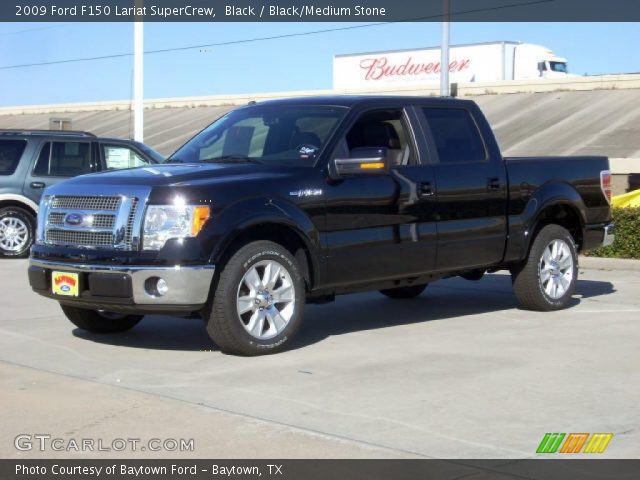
295,63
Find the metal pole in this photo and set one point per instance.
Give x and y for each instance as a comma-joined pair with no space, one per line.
138,79
444,51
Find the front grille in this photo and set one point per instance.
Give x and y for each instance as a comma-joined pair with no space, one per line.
99,220
128,237
56,218
86,203
103,221
106,222
75,238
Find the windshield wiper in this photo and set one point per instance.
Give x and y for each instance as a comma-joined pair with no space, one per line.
232,159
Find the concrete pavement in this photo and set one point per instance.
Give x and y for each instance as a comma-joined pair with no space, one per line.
457,373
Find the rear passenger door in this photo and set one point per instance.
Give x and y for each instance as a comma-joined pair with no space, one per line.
57,161
471,188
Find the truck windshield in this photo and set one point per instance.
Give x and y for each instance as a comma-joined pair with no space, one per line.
285,135
558,67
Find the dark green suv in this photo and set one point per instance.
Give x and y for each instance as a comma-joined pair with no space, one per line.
31,160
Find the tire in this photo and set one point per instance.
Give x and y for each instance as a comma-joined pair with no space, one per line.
404,292
97,322
17,232
546,280
246,317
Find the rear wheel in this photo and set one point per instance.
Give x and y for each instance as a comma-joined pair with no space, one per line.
98,321
258,301
404,292
547,279
16,232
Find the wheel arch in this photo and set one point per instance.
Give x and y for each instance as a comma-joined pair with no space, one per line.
560,204
11,200
285,225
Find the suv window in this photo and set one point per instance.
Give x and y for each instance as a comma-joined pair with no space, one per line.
10,153
456,135
63,159
117,157
382,128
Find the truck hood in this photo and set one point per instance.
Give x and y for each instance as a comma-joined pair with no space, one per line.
176,175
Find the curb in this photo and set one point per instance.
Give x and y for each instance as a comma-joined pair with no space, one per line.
598,263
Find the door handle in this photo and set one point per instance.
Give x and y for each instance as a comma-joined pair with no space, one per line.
38,185
493,184
425,190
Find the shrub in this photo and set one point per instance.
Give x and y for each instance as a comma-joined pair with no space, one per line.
627,242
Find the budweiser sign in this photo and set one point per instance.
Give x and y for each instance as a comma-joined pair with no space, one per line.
379,68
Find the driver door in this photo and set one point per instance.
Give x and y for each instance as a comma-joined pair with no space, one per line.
380,226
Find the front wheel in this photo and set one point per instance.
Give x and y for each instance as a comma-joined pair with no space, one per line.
97,321
546,280
258,301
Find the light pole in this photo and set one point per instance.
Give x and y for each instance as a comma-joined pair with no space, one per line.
444,51
138,76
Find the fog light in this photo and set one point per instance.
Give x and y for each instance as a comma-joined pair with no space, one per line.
156,287
161,287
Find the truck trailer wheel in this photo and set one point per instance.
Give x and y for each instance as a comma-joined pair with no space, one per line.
547,279
404,292
16,232
258,301
100,322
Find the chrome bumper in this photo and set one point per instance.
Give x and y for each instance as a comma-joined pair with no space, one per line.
187,285
609,234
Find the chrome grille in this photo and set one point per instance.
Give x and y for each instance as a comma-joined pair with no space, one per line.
103,221
128,237
100,222
56,218
86,203
78,238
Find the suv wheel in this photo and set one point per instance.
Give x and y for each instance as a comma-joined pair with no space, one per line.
404,292
16,232
547,279
258,301
98,321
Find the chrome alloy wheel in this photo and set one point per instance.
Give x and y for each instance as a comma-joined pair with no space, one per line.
14,234
555,270
266,299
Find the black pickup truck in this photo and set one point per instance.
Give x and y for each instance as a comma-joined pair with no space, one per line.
291,201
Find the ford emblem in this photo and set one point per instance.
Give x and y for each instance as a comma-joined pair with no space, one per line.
74,219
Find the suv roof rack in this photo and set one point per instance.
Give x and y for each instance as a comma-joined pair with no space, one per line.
28,131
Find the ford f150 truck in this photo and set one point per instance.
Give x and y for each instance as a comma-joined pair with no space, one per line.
291,201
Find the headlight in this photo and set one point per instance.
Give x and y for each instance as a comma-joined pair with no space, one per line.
163,222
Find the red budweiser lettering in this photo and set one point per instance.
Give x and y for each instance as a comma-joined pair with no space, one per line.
65,279
380,67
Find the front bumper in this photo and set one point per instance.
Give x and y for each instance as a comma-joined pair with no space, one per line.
127,286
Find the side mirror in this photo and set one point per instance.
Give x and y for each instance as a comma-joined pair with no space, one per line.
363,161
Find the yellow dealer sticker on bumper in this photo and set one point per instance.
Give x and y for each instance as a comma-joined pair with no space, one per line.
63,283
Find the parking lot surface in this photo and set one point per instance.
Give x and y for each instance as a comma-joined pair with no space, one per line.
459,372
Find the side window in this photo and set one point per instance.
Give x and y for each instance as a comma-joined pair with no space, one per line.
382,128
456,135
63,159
117,157
10,154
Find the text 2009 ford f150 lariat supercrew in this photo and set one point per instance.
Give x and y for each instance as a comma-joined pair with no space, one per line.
292,201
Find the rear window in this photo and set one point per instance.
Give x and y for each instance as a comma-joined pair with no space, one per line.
10,153
456,135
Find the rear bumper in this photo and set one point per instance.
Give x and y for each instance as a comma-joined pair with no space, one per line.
128,287
598,236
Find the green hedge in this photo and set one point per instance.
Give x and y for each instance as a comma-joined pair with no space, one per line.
627,243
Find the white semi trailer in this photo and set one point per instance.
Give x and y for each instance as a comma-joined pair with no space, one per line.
479,62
